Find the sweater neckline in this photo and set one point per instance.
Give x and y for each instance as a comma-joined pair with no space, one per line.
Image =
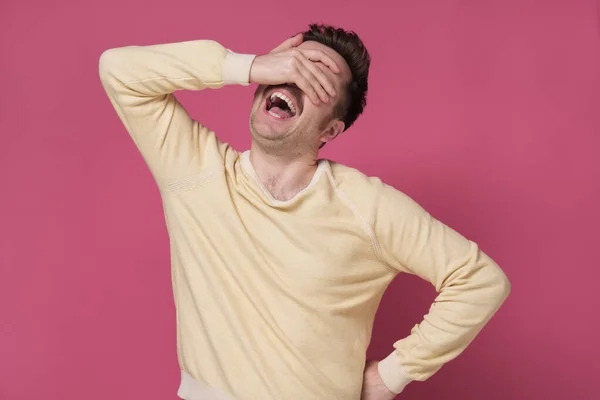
249,170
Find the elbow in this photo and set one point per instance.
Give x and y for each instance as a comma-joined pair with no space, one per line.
106,64
499,285
504,285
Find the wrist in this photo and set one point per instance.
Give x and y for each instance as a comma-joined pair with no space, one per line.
256,70
392,373
236,68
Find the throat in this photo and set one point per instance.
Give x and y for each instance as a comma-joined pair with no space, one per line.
282,180
282,192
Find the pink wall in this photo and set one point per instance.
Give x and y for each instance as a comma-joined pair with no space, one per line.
486,112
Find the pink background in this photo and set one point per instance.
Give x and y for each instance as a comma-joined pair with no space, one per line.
486,112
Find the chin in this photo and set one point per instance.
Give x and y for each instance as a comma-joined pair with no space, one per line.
263,128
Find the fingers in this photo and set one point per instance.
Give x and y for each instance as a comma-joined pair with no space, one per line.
314,81
321,82
290,43
304,84
296,40
315,87
305,72
302,77
319,56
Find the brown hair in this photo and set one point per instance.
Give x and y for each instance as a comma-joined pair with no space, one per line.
352,49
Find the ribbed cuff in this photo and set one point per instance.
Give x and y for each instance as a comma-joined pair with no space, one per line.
236,68
392,374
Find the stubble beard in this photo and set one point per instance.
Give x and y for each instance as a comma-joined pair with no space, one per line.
286,144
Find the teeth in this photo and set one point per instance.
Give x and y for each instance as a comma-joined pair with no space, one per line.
273,114
284,98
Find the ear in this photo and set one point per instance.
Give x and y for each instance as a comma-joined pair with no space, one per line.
335,128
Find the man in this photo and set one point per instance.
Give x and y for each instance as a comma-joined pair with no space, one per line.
280,259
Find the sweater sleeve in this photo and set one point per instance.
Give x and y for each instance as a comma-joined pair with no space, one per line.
140,82
470,285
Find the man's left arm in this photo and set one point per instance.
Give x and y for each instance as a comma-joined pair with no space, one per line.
470,285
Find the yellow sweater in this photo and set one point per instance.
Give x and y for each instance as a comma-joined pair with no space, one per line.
276,299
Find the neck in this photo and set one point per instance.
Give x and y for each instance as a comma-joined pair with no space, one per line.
283,176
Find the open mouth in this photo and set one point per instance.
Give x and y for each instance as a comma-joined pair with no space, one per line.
280,105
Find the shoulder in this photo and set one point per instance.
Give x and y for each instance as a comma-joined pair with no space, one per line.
370,195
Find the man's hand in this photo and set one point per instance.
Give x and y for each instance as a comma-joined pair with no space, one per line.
373,387
289,64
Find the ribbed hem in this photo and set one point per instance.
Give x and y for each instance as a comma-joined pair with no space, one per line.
236,68
191,389
392,374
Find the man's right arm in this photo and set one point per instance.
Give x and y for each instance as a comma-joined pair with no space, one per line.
140,81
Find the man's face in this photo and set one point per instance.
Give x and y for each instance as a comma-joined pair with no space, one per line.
305,126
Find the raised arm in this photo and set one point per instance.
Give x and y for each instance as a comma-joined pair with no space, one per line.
470,284
140,81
